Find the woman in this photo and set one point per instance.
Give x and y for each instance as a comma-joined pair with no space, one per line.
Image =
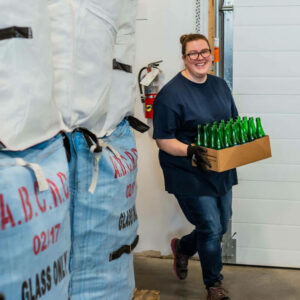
195,97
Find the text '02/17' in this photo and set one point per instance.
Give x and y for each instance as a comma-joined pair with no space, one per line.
45,239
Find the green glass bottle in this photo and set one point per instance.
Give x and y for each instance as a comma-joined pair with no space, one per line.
252,129
219,144
233,136
238,119
222,135
221,130
236,127
251,133
230,121
199,136
226,141
222,124
205,136
245,133
228,135
208,132
242,136
259,129
213,137
245,123
245,130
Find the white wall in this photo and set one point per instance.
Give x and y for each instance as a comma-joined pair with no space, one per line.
159,26
266,83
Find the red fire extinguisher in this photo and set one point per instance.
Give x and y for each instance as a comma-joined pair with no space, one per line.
149,87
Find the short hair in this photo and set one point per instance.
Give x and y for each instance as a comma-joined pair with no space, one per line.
185,38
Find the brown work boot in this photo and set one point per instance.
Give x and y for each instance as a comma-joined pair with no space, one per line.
180,262
217,292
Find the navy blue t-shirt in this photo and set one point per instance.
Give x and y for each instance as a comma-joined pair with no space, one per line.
178,108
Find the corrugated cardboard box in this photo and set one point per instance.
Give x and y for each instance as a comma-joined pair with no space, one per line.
229,158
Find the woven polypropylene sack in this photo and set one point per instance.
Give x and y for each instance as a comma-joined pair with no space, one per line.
104,221
62,24
83,35
28,114
34,223
123,89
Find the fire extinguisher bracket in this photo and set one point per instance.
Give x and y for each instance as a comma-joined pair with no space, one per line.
149,77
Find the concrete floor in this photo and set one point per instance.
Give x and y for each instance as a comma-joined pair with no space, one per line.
244,283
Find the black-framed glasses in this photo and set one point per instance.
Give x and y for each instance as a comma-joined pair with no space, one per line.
194,55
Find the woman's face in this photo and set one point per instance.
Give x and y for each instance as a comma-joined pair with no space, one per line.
197,67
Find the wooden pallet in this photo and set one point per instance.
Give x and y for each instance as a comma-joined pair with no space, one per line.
146,295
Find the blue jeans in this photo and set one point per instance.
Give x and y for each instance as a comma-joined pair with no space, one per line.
210,215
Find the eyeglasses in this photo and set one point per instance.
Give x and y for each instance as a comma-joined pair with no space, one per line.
195,55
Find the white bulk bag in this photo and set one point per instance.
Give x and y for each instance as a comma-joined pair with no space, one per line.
83,65
62,31
28,114
123,90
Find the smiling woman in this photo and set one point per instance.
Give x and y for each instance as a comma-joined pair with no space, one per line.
196,57
195,97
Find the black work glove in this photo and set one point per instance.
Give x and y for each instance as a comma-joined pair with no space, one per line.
195,153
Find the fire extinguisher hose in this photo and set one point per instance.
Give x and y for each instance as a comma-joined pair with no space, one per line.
140,86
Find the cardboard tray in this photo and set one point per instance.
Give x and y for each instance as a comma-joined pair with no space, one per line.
236,156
